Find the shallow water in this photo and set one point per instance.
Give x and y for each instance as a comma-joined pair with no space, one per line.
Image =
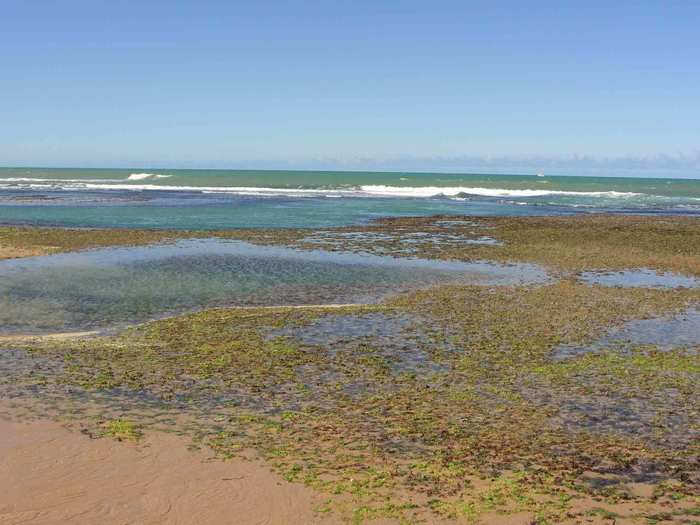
680,331
398,242
640,278
402,340
219,199
658,419
103,288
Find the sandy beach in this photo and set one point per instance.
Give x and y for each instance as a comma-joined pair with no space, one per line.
51,475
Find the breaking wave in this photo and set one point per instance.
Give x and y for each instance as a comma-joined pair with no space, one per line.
460,191
457,192
143,176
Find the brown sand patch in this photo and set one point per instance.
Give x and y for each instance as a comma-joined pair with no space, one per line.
50,475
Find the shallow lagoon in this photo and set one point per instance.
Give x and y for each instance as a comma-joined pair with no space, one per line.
109,287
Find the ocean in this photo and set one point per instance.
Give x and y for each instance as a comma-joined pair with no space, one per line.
216,199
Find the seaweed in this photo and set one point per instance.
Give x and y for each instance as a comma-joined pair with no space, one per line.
444,403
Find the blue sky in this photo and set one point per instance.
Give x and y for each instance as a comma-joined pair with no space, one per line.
353,84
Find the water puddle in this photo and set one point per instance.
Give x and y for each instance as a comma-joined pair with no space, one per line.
662,422
663,416
640,278
402,341
412,242
104,288
456,223
323,237
437,239
664,333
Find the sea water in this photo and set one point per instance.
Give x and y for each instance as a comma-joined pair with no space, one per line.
214,199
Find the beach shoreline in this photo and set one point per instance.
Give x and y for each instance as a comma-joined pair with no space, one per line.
443,404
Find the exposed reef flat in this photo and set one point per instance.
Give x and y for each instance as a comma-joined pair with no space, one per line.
572,243
556,401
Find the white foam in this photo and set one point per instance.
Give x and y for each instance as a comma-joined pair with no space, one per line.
139,176
102,184
455,192
142,176
434,191
236,190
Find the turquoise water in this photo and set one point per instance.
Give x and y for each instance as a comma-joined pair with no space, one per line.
209,199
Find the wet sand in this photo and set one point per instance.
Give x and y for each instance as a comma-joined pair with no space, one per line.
51,475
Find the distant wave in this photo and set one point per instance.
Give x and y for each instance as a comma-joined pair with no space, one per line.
380,191
75,185
372,191
236,190
142,176
460,191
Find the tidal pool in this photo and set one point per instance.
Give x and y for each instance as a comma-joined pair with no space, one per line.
640,278
412,242
679,331
103,288
404,341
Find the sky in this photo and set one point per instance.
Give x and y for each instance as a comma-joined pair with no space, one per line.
393,84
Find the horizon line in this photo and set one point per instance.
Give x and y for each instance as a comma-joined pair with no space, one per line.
534,173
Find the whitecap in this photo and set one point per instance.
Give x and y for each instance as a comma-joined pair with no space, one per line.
433,191
139,176
142,176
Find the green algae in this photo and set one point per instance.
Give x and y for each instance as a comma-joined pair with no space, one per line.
569,243
498,428
121,430
407,437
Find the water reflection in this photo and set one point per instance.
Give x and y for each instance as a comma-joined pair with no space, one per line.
107,287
